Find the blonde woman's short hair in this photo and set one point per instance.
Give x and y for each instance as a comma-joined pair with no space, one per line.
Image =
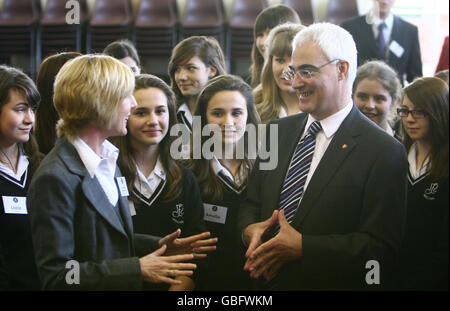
89,89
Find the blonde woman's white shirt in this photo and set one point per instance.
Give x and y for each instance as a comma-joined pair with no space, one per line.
103,168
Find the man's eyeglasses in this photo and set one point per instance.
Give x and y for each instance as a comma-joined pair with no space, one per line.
417,114
304,74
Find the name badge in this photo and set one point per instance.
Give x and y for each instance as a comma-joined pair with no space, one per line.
215,213
396,48
15,205
123,189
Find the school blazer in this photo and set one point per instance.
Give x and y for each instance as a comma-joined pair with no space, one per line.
404,33
353,210
72,219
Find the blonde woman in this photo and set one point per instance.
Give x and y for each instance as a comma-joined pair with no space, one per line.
77,200
274,97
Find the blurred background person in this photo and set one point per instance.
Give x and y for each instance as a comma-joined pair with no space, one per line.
193,63
443,58
274,97
265,21
46,115
124,51
384,36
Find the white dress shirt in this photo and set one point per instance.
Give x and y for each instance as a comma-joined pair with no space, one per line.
389,130
240,177
187,112
387,31
323,138
103,168
147,185
413,170
22,166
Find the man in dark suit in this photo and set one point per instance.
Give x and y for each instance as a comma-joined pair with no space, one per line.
347,223
397,43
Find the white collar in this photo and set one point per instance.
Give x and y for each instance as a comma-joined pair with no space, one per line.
22,166
158,171
389,21
240,177
332,123
282,113
187,112
416,173
146,186
389,130
91,160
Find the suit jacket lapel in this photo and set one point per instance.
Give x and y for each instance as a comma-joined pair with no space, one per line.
292,130
395,35
125,210
369,38
90,186
339,148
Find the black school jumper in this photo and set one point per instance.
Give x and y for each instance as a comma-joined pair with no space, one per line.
156,217
17,265
226,264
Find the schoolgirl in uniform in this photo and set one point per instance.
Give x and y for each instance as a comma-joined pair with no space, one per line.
274,97
19,157
265,21
194,61
376,93
424,255
227,102
164,196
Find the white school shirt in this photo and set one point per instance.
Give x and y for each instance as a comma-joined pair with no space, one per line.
323,138
416,172
22,166
241,176
147,185
103,168
187,112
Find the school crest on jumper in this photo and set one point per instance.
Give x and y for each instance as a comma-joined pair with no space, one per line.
431,191
178,213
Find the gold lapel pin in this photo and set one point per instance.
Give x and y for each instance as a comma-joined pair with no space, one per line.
344,146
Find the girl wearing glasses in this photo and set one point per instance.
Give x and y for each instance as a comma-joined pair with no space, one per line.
19,157
227,103
275,97
376,91
424,256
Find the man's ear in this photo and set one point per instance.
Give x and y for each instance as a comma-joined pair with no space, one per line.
212,71
343,69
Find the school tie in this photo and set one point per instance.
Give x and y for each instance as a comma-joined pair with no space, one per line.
298,170
381,40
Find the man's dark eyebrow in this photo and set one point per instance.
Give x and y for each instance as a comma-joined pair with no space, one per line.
304,66
307,66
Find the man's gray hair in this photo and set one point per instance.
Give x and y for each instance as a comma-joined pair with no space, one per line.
335,42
